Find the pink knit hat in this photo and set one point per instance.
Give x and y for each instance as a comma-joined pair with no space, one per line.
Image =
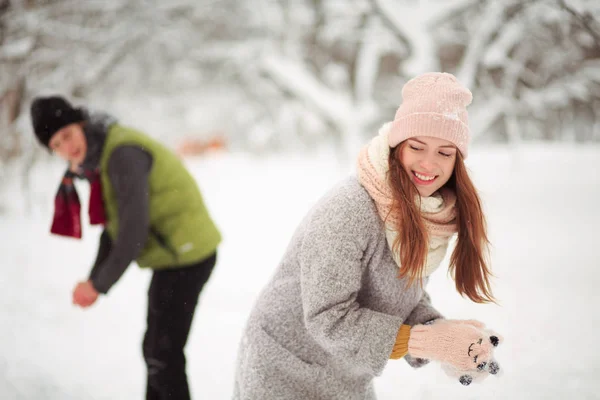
433,104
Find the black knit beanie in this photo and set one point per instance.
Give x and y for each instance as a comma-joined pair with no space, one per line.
50,114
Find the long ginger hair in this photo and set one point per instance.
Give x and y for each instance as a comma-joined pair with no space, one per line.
468,263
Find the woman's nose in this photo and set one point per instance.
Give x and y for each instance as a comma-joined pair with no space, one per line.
427,163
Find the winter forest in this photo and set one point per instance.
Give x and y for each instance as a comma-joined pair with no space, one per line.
268,102
271,75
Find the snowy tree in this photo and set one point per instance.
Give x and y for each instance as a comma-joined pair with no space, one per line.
300,71
282,74
99,50
520,58
527,63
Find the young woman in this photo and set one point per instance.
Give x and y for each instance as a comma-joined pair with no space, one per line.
153,213
349,294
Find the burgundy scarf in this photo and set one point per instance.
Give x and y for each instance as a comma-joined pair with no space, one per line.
67,208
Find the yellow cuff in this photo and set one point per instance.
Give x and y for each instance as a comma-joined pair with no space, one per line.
401,346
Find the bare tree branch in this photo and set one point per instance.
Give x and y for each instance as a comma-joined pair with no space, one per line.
585,21
392,26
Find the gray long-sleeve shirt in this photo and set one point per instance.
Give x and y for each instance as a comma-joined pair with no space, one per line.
128,170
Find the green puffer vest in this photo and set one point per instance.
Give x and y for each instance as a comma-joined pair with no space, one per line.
181,230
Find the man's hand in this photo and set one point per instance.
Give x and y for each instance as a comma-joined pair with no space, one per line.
84,294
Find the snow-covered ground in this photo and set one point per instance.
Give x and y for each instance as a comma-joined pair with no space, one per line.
542,204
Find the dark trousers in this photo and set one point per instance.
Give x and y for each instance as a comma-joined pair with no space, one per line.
172,299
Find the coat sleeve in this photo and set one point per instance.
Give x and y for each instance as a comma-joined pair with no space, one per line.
331,274
128,170
104,247
422,313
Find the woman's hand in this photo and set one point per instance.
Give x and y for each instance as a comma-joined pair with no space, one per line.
465,348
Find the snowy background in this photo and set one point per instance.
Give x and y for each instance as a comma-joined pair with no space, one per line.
293,88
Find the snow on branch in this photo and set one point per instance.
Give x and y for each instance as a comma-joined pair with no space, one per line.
102,66
584,18
488,25
446,10
497,53
392,22
562,91
17,49
408,22
483,113
303,85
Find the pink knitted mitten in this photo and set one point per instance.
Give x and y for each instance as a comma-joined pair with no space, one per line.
464,348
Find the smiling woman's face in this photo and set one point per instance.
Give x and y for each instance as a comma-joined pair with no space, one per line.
429,162
70,144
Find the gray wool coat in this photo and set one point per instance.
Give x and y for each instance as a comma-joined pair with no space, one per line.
325,324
